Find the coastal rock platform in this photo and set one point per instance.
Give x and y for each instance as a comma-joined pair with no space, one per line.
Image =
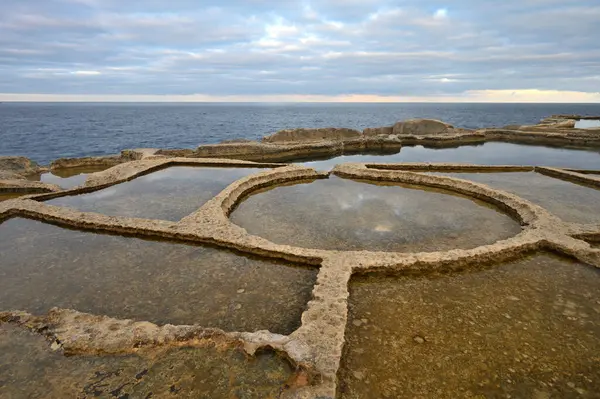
326,354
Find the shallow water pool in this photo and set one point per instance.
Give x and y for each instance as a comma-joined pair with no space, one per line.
490,153
343,214
170,194
524,329
43,266
570,201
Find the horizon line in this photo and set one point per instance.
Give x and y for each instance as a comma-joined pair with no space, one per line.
287,102
521,96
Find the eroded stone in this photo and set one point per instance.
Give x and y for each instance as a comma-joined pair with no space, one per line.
421,127
18,165
295,135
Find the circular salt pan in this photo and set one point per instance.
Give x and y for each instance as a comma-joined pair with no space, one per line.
342,214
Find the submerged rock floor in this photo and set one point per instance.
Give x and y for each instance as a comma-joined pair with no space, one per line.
523,329
570,201
342,214
31,369
45,266
215,278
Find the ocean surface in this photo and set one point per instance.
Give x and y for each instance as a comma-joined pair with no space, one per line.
47,131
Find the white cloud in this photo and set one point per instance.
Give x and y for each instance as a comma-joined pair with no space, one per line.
281,28
86,73
340,49
441,13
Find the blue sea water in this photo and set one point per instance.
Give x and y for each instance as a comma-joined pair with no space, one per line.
47,131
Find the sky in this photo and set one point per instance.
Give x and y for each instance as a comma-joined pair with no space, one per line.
288,51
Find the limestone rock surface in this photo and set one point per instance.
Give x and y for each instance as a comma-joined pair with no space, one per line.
18,165
421,127
6,175
300,135
566,124
378,131
109,160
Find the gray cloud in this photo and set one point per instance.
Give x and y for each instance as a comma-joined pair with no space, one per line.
331,47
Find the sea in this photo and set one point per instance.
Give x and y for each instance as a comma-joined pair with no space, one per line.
48,131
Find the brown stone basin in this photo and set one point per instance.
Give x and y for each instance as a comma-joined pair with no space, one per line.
524,329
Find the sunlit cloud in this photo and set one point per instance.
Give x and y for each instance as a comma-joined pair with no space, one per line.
85,73
440,13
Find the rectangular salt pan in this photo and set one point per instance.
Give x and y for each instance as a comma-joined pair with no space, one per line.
43,266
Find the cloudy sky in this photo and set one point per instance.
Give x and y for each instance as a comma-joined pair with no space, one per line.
285,50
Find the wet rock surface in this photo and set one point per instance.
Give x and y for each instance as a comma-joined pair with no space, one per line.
169,194
8,196
29,368
570,201
528,328
345,214
44,266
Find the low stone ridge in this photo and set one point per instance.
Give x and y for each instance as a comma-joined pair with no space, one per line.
293,144
411,127
378,131
13,176
558,123
572,116
421,127
25,186
18,166
327,133
107,160
63,163
184,152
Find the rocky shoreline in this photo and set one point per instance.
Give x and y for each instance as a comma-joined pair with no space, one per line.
293,144
315,348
